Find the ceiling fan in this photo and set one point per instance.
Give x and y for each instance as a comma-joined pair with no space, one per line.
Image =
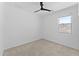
42,8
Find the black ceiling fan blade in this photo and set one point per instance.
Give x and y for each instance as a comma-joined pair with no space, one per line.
47,10
36,10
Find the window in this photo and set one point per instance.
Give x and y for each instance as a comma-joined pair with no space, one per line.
65,24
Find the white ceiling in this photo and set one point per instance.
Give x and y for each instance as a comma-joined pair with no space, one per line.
58,5
33,6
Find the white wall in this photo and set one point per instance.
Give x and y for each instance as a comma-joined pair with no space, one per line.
20,26
78,8
42,16
1,28
50,30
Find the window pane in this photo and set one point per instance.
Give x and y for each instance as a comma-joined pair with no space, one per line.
65,24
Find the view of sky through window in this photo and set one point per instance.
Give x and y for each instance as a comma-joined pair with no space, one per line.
66,19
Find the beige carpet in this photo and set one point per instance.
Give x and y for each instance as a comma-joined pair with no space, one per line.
41,48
